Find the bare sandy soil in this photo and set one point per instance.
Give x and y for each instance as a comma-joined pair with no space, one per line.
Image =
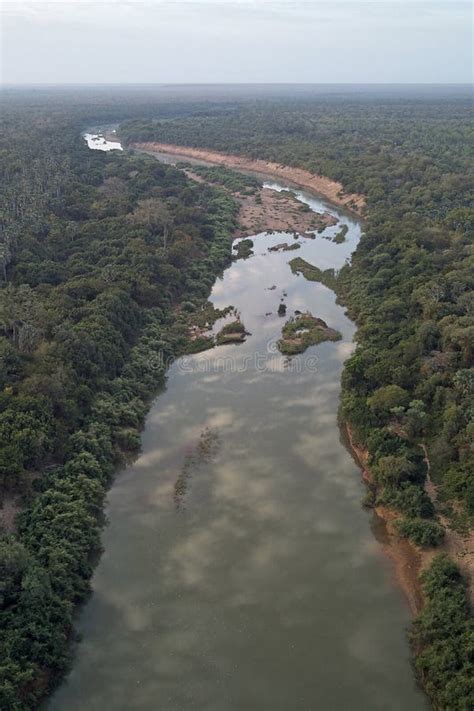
278,212
330,189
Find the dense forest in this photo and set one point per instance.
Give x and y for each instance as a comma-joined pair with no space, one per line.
104,255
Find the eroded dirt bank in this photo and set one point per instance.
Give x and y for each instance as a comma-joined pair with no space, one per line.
410,560
406,559
326,187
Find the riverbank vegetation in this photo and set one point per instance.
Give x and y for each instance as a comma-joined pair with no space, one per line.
410,381
105,255
232,180
442,637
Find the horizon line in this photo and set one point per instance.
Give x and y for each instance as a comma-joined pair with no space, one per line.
237,83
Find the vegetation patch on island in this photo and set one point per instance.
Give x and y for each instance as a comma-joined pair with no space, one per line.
233,332
284,247
305,330
244,249
340,236
203,453
198,321
311,273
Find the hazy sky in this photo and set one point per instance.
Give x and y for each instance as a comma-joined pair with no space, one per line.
236,41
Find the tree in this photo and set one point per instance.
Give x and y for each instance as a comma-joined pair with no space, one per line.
393,469
386,398
154,214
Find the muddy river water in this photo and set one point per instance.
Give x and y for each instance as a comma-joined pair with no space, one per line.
262,586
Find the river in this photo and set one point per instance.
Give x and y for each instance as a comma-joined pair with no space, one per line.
262,586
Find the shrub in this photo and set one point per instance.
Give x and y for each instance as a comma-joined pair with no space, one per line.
392,470
420,531
234,327
127,439
386,398
411,499
442,636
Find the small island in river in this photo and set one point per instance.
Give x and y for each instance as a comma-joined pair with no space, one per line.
233,332
313,273
305,330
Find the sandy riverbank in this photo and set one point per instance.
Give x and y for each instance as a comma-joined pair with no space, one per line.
330,189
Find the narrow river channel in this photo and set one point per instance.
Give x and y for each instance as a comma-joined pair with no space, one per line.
261,587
